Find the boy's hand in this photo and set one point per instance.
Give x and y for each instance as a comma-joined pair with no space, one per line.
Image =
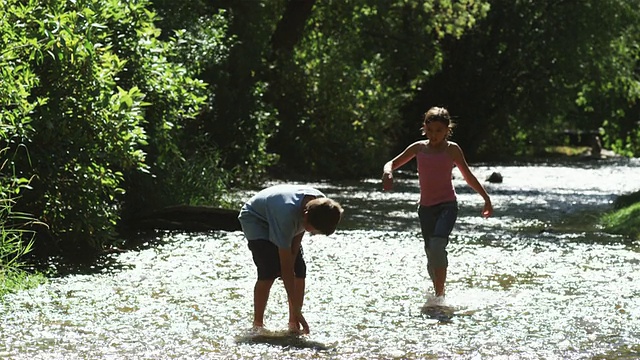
294,326
387,181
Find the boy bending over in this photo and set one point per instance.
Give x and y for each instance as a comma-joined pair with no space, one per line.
274,221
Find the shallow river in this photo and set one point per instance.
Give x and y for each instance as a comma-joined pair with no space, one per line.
538,280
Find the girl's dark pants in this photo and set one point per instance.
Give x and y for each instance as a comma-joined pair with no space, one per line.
436,223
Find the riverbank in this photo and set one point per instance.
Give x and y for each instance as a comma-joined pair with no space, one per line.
625,218
13,280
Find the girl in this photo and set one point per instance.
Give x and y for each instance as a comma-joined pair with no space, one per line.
438,207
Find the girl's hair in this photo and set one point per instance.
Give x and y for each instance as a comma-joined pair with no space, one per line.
439,114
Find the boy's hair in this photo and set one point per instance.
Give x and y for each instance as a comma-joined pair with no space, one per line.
441,115
324,215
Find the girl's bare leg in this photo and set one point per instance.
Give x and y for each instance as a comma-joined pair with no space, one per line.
439,278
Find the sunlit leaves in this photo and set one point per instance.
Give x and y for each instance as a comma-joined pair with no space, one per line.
77,80
356,67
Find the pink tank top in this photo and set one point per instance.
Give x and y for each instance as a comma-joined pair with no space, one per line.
434,174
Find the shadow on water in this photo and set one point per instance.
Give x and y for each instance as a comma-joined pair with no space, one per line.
443,314
86,261
283,339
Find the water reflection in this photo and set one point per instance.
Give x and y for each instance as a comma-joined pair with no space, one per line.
537,281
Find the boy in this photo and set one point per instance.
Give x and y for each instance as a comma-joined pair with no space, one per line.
274,221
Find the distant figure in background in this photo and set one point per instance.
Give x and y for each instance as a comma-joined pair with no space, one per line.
274,221
596,146
438,207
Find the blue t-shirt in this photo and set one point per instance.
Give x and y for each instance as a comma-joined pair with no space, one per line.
275,213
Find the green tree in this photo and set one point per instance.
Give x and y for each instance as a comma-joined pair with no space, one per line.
223,45
90,100
313,83
520,75
340,91
611,101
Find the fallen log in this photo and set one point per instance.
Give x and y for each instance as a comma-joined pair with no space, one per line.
188,218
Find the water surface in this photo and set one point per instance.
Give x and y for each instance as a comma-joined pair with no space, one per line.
539,280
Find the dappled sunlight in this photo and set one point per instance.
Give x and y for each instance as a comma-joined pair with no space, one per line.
522,284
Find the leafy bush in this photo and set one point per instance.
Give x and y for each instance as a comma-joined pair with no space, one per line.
89,94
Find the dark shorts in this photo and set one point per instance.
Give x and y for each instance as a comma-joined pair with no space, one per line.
267,260
436,223
438,220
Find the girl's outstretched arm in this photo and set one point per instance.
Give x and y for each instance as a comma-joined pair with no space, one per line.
461,162
401,159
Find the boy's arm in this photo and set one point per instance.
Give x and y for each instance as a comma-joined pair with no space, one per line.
287,262
295,245
287,266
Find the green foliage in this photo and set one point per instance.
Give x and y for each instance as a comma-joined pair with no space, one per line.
198,181
111,110
174,99
240,121
625,221
16,238
355,79
14,241
625,142
355,68
85,130
520,70
223,47
89,95
12,280
612,100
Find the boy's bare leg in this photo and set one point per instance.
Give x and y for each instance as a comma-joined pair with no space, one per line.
299,297
260,297
439,279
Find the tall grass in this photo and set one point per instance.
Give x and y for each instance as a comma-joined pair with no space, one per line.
624,221
16,238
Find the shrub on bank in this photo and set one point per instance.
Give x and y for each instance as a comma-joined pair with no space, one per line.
91,107
15,240
625,219
12,280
